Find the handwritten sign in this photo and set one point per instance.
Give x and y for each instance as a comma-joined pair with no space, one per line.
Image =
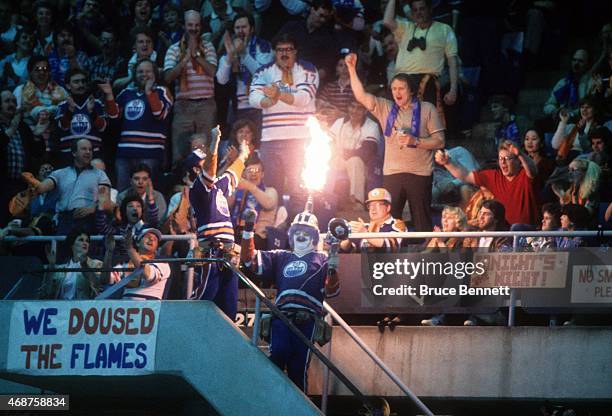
83,338
521,270
591,284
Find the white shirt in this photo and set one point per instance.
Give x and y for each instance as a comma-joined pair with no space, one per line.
68,290
151,288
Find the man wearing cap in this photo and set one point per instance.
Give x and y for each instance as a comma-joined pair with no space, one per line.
152,278
303,277
208,198
381,220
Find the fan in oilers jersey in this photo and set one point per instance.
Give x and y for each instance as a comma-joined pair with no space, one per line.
207,198
303,278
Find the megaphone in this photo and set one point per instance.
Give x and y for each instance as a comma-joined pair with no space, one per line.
339,228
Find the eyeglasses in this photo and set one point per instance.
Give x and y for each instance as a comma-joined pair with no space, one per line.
253,170
506,158
283,50
41,68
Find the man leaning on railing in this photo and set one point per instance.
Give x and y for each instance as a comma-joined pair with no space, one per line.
152,277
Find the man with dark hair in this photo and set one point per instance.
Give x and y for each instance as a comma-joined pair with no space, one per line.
65,56
285,91
143,41
501,110
44,16
142,186
252,193
106,66
8,29
245,54
314,37
600,148
191,63
491,217
133,218
40,94
551,221
568,91
89,21
80,116
19,150
424,46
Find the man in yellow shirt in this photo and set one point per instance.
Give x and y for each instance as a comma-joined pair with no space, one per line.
424,45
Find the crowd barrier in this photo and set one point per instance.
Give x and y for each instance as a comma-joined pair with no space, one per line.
550,281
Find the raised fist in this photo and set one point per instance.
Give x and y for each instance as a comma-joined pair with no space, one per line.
249,216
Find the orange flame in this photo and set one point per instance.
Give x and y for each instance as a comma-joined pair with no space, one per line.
318,154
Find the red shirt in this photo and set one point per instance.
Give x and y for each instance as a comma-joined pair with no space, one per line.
519,196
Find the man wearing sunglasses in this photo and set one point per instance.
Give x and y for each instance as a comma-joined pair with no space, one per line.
424,46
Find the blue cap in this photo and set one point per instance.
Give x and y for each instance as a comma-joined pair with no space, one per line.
194,159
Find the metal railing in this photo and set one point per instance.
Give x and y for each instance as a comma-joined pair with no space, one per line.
514,235
53,239
329,366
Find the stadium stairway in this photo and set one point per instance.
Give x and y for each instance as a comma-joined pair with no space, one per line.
203,365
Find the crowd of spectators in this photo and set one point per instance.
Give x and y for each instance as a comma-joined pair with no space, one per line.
101,102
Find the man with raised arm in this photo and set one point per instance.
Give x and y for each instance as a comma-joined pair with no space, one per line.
208,198
424,46
412,130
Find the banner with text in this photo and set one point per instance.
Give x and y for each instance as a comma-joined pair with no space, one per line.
592,284
83,338
521,270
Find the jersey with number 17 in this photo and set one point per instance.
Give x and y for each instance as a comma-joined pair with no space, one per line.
283,121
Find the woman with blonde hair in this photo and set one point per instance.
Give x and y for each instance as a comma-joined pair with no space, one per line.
583,187
453,219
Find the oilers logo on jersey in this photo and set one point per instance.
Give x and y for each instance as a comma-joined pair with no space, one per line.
295,268
222,204
79,125
134,109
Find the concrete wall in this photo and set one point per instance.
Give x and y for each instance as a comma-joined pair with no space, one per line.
197,343
478,362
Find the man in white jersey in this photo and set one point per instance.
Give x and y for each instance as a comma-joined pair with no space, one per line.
285,90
